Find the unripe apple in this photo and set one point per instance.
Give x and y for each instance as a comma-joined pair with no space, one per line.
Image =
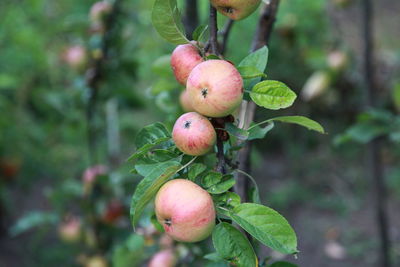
163,258
185,210
184,58
193,134
215,88
184,100
236,9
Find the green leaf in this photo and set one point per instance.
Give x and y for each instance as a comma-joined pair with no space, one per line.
213,257
212,56
282,264
32,220
272,95
302,121
150,184
249,72
167,21
237,132
233,246
195,170
258,132
227,182
226,201
130,253
200,32
216,183
149,137
163,85
267,226
257,60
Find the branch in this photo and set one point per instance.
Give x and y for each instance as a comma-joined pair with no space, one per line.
213,31
247,111
94,76
191,19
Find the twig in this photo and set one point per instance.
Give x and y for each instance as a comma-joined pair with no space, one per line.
261,38
374,148
221,165
224,33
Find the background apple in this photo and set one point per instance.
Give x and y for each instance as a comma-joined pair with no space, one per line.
193,134
99,10
236,9
163,258
184,100
185,210
215,88
183,59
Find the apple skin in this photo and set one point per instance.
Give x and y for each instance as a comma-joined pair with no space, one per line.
194,134
185,210
183,59
163,258
184,100
215,88
75,56
236,9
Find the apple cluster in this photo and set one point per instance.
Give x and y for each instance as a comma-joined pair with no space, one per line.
214,89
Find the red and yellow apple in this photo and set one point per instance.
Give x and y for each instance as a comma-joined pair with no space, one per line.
185,210
215,88
183,59
194,134
236,9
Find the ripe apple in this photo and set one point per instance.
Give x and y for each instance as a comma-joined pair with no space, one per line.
215,88
236,9
163,258
99,10
185,210
184,100
184,58
70,230
194,134
96,261
75,56
113,212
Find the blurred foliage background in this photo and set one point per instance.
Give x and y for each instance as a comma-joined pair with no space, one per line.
320,183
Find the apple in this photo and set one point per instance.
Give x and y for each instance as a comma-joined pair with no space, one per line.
236,9
184,100
194,134
75,56
113,212
337,60
183,59
70,230
215,88
316,85
163,258
96,261
90,175
185,210
99,10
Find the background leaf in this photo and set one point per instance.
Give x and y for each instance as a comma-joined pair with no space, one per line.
258,60
233,246
302,121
